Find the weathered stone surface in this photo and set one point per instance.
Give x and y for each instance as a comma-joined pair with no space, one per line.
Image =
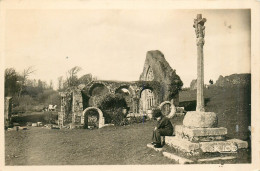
239,143
195,132
200,134
234,80
200,30
156,149
215,146
196,119
162,72
161,79
101,121
181,144
218,146
207,138
171,109
216,159
178,159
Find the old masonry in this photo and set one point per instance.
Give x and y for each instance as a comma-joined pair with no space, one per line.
152,89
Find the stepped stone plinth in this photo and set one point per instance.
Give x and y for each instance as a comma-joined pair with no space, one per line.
189,147
181,144
200,134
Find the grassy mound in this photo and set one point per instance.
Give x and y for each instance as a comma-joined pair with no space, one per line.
231,104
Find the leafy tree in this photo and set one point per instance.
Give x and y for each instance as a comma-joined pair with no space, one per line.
175,86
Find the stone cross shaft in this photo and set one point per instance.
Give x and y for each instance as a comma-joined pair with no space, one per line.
200,33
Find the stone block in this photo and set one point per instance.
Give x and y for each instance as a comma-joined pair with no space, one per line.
196,119
196,132
207,138
156,149
182,144
216,159
239,143
200,134
178,159
218,146
23,128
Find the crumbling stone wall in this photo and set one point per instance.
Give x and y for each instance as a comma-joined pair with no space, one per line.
71,106
77,99
234,80
162,73
77,106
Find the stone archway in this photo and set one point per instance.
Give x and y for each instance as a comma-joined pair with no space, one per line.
147,99
97,89
128,93
168,109
101,121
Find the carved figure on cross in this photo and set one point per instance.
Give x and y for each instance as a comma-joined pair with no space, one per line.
199,26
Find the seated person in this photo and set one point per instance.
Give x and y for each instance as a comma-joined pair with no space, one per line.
164,128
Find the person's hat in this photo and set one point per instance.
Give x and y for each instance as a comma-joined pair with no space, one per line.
157,113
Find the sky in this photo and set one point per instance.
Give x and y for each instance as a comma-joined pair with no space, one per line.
111,44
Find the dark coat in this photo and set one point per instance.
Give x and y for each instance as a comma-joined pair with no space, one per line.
165,127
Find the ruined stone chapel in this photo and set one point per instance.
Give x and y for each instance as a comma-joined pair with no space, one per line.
155,85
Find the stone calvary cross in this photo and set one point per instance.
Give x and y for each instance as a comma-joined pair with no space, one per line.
200,33
200,133
200,118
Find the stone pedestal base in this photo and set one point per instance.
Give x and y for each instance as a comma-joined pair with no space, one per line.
200,140
231,145
196,119
200,134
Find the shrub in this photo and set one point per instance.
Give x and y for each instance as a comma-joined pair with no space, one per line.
111,101
18,109
50,117
112,106
136,119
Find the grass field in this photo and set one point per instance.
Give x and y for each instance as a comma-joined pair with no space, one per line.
106,146
121,145
232,106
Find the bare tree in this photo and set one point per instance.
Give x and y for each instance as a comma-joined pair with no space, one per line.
60,83
26,73
51,85
72,78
